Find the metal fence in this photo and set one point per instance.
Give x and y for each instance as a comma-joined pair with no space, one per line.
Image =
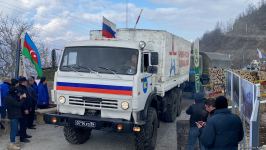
244,97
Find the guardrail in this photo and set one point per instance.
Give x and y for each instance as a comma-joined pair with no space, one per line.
244,96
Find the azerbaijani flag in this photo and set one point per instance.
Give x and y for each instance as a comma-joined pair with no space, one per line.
30,51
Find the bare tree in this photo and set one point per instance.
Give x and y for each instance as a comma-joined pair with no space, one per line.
10,31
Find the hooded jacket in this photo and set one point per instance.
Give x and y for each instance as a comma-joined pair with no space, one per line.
223,131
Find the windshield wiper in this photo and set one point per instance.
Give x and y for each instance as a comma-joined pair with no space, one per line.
87,68
72,68
110,70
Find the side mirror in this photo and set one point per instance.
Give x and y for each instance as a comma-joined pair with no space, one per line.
154,59
152,69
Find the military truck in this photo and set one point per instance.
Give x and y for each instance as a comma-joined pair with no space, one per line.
126,84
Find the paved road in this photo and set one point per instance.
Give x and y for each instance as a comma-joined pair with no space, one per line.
48,137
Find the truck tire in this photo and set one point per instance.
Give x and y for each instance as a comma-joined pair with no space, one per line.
146,138
179,101
76,135
171,108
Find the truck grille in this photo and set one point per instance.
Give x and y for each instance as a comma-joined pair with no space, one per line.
93,103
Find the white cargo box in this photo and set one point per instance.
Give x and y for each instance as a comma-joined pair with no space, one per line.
174,54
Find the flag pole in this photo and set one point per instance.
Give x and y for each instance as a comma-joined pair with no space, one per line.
138,19
18,56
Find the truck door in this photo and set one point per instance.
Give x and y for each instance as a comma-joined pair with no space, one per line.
145,80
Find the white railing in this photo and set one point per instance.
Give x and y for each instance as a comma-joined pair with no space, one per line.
244,97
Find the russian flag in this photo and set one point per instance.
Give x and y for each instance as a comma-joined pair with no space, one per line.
109,29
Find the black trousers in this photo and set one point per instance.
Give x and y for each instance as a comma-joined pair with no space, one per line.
31,118
23,127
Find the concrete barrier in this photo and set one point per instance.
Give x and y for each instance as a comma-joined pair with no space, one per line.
182,130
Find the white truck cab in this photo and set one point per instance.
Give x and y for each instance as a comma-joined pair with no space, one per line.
127,84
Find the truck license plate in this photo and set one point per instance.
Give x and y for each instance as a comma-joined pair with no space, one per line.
87,124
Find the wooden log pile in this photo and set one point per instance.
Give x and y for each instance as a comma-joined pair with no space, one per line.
217,76
262,75
251,76
217,79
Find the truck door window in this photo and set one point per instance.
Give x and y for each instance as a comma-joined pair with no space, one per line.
146,62
70,59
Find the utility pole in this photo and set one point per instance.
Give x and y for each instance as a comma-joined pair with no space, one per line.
126,13
17,57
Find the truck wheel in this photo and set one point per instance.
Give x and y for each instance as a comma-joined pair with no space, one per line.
171,109
179,101
146,138
76,135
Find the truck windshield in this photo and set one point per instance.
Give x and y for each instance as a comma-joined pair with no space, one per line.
110,60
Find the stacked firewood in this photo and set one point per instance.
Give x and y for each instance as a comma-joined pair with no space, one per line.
251,76
262,75
217,79
217,76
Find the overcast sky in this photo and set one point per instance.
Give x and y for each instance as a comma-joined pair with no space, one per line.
60,21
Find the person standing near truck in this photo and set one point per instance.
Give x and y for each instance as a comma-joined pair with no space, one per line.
23,122
224,130
4,92
14,101
43,95
32,89
198,114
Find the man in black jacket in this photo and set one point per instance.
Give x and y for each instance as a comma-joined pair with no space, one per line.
197,114
23,122
33,101
223,130
14,103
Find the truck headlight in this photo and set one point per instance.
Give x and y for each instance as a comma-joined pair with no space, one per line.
62,99
125,105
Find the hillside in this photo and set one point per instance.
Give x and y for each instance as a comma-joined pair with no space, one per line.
241,38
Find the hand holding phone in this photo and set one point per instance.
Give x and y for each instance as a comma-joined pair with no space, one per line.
198,125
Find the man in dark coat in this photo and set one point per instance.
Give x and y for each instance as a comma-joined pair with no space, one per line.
197,114
23,122
224,130
14,102
33,98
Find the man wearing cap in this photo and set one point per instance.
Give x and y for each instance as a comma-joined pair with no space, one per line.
224,130
23,122
198,114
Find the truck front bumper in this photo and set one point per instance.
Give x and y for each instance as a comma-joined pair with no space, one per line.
92,122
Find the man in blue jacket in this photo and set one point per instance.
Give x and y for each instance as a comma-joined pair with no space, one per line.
43,95
4,92
224,130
